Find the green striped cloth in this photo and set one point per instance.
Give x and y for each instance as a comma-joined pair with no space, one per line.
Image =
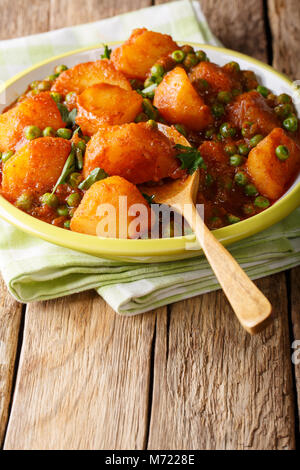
37,270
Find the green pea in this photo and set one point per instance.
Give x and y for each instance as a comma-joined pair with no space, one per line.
50,200
151,123
32,132
180,128
201,56
282,152
261,202
190,60
74,200
49,132
70,97
34,84
248,209
240,178
67,224
232,219
75,179
209,133
142,117
202,85
64,133
262,90
217,110
7,155
24,201
63,211
236,160
149,109
178,56
224,97
243,149
81,145
250,190
187,49
291,123
255,140
226,130
60,68
57,97
230,149
157,70
149,81
283,110
52,77
234,66
44,85
284,98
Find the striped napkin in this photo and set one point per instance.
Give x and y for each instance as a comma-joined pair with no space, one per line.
37,270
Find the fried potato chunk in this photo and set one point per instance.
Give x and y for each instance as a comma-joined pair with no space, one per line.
113,207
138,152
39,110
35,167
271,175
178,101
106,105
217,78
137,55
252,107
87,74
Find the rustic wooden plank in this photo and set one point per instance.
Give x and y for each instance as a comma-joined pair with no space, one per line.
216,387
16,19
83,380
284,19
19,18
239,25
295,314
10,319
66,13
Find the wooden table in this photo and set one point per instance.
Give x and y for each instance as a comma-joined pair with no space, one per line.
74,375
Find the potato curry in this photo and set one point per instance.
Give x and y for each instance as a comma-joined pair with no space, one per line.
86,135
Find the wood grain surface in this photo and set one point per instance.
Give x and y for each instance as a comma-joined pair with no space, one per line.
215,387
186,376
83,379
10,319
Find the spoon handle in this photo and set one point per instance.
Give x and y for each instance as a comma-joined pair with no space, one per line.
251,307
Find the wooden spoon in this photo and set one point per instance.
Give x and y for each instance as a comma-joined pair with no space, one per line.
251,307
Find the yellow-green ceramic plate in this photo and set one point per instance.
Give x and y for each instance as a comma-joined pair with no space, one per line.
159,249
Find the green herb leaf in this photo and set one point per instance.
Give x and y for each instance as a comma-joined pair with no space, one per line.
78,131
68,168
67,117
64,112
148,198
72,117
191,159
96,175
106,53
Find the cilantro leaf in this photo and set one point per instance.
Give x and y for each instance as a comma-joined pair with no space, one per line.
106,53
191,159
67,117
